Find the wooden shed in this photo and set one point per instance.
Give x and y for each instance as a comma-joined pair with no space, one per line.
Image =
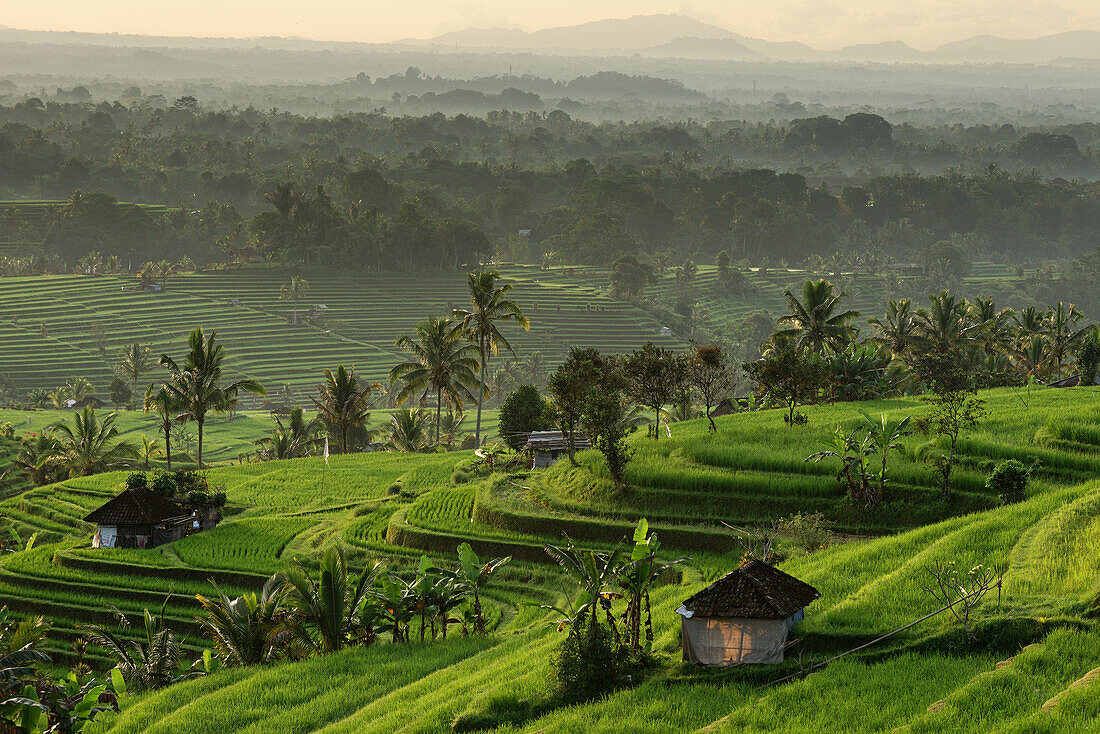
744,617
139,518
546,447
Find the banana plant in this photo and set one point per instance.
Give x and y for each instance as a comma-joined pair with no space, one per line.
476,575
393,606
884,436
635,577
594,572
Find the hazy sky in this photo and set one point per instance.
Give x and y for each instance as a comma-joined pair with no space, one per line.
822,23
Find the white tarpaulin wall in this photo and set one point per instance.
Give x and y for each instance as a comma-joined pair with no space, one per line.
733,640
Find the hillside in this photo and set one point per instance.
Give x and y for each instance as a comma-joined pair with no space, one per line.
396,506
47,334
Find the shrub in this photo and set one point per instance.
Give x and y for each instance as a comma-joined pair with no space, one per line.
469,442
523,411
395,488
1009,481
585,665
797,419
810,532
137,480
460,476
164,483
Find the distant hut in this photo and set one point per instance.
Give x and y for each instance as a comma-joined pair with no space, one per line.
744,617
665,332
139,518
1072,381
546,447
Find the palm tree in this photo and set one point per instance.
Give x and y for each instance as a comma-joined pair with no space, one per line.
440,363
814,321
343,403
993,327
284,198
1029,322
330,613
295,439
36,457
164,404
1031,355
149,662
147,450
490,305
135,363
294,292
1058,323
249,629
89,447
79,388
197,384
944,327
409,430
897,328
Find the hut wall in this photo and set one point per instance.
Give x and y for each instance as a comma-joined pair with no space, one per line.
721,641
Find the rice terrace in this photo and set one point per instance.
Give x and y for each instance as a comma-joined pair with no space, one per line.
673,380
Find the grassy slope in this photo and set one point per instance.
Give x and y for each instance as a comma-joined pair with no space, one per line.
1050,543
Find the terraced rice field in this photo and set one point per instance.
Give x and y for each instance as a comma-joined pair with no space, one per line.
397,507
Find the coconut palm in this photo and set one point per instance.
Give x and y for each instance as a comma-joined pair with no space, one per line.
1029,322
815,321
196,385
147,450
135,363
489,305
450,427
440,363
249,629
944,327
1059,327
329,614
79,388
89,447
294,291
897,329
409,430
993,328
1032,355
343,403
162,402
36,458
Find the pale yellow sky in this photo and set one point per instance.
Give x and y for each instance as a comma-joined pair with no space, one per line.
821,23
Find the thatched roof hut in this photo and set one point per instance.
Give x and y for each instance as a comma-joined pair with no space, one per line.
138,518
744,617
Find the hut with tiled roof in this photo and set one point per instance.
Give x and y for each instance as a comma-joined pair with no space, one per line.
744,617
138,518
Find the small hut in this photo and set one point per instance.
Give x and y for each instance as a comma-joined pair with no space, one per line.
744,617
546,447
139,518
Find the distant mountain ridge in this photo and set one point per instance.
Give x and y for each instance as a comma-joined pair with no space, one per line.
659,36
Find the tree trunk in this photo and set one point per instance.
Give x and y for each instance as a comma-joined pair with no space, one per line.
481,393
713,427
657,431
168,444
438,413
200,422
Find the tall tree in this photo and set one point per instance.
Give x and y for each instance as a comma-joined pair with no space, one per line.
569,386
816,322
161,401
709,374
343,403
489,306
654,376
440,362
1059,326
897,328
197,384
294,291
89,446
136,362
789,374
943,327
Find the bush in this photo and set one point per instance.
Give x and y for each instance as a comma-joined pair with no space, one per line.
460,476
585,665
137,480
164,483
469,442
810,532
523,411
798,419
1009,481
395,488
